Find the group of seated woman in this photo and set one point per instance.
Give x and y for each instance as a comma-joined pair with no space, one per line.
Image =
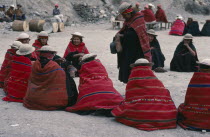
47,84
179,27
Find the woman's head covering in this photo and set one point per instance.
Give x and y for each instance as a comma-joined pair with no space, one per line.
159,6
23,36
188,36
56,5
179,17
125,6
43,34
141,62
87,56
47,48
152,32
25,49
77,34
16,44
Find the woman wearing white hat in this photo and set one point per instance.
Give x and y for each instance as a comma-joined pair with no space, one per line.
10,13
194,113
61,91
23,38
185,56
178,27
17,80
42,39
76,49
7,61
157,56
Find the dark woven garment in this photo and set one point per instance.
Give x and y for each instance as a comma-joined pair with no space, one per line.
183,60
157,56
193,28
206,29
194,113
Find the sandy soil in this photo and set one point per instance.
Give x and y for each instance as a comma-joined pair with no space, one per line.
15,120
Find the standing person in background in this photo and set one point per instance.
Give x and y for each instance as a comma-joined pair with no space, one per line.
160,14
149,16
75,50
132,41
19,15
57,14
10,13
185,56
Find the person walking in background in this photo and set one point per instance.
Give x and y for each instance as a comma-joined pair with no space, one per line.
132,41
149,16
185,56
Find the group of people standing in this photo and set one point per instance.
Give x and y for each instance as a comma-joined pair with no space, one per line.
41,80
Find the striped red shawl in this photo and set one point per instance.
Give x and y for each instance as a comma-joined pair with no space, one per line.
72,48
194,113
5,68
148,104
96,89
47,87
17,81
138,24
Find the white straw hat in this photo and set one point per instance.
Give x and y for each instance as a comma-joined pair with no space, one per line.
23,36
188,36
141,61
12,5
152,32
87,56
16,44
47,48
204,62
179,17
124,6
25,49
77,34
43,34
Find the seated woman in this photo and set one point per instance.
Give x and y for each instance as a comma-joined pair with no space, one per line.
48,87
194,113
17,81
206,29
192,27
157,56
96,92
185,56
41,41
148,104
178,27
6,65
75,49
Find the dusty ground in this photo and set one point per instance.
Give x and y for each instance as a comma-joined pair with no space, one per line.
17,121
